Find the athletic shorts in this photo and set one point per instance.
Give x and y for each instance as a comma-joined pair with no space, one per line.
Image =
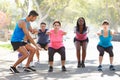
43,45
16,45
81,41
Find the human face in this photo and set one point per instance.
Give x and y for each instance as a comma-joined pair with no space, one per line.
105,26
56,26
33,18
43,26
81,22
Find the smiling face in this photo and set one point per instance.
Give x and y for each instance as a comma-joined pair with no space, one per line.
56,25
105,25
81,21
32,18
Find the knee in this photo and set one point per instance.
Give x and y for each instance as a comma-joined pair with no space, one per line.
33,50
50,58
101,54
111,54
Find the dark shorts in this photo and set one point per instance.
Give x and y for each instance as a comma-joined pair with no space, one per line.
16,45
81,41
43,45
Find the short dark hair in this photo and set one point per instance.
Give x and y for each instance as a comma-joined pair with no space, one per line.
33,13
42,23
57,22
105,22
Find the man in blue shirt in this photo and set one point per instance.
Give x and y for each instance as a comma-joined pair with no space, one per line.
17,40
43,38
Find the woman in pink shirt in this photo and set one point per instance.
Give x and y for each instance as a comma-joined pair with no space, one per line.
56,45
81,41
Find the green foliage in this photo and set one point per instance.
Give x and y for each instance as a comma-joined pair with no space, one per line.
66,11
6,46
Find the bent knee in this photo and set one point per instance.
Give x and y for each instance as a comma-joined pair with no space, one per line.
33,50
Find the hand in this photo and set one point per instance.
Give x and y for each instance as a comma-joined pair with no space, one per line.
34,31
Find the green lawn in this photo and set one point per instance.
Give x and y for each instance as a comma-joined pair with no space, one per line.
6,46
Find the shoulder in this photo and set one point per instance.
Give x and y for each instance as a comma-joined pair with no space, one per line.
21,23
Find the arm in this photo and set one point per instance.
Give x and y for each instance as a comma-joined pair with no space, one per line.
88,30
99,33
112,32
33,31
64,33
22,25
48,32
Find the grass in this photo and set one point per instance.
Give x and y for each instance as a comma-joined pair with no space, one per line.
6,46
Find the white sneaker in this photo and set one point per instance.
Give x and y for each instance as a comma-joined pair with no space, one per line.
32,64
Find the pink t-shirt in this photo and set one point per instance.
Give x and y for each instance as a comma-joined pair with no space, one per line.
81,36
56,40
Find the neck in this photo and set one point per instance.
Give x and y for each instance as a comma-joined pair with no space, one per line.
42,30
105,29
56,30
27,19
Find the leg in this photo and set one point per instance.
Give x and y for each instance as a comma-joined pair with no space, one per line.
31,54
20,65
61,51
24,53
37,55
51,53
111,55
77,46
46,47
84,47
101,51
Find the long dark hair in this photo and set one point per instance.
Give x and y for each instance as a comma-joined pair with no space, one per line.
84,25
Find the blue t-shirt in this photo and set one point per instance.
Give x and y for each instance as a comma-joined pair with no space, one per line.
18,34
105,41
43,38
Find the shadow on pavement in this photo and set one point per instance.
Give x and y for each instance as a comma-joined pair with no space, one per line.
72,70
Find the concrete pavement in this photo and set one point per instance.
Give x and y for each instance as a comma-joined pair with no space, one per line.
7,58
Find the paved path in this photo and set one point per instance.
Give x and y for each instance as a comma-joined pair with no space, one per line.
7,58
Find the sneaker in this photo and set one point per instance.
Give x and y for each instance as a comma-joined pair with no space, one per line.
112,68
83,65
29,69
14,70
99,68
32,64
50,69
63,68
79,65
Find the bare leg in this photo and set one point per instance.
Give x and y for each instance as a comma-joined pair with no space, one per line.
100,60
24,53
77,46
84,47
37,55
63,62
31,54
111,60
78,50
51,63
